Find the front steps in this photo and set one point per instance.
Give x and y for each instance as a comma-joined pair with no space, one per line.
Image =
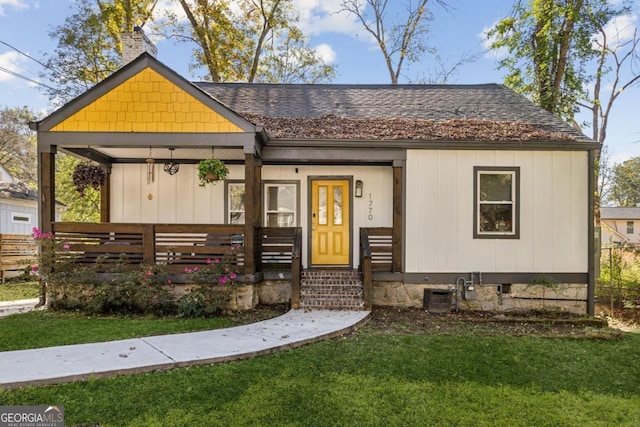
331,290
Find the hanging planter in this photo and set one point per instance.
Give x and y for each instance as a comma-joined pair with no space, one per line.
211,170
86,175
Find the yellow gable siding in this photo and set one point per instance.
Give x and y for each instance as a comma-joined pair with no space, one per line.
147,102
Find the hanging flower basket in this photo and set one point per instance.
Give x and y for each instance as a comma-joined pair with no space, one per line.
211,170
86,175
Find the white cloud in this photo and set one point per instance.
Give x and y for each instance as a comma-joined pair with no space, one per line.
618,31
326,52
15,4
10,61
487,41
323,16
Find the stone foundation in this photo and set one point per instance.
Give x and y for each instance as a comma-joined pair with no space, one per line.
246,296
520,297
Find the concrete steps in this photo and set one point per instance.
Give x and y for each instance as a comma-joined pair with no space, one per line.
331,290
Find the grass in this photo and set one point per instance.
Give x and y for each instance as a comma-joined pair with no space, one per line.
45,329
16,290
375,377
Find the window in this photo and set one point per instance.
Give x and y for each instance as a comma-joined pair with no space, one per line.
280,204
235,202
20,218
496,211
629,227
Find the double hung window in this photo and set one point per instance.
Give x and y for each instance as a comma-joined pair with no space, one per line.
496,211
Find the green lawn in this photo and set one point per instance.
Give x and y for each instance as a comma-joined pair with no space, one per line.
375,377
11,291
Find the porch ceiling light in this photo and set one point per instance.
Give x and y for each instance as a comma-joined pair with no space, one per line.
170,166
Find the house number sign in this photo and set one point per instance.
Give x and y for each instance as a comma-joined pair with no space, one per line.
370,217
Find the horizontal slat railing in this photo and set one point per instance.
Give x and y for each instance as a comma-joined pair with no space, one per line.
276,248
175,246
380,244
17,251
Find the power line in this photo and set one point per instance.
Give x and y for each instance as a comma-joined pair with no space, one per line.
13,73
41,64
30,57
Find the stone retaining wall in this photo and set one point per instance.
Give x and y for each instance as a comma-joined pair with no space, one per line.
520,297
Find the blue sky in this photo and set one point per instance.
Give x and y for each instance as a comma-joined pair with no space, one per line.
25,24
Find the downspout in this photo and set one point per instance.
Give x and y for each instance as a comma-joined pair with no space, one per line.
591,274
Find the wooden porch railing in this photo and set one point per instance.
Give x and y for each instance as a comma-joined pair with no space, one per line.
17,251
376,254
179,245
175,246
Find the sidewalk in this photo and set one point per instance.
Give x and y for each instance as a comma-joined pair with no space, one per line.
18,306
54,365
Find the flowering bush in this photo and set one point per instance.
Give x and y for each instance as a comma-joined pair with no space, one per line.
215,284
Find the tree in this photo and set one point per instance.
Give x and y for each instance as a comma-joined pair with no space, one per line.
79,208
400,41
255,41
18,151
90,44
625,185
550,44
557,48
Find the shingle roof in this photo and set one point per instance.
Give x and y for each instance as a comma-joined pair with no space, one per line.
620,213
488,103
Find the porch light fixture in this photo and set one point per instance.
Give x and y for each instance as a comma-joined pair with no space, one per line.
359,188
170,166
151,177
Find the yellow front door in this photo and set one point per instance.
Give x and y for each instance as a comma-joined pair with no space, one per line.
330,221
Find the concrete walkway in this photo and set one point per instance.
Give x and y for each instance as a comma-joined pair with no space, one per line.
18,306
53,365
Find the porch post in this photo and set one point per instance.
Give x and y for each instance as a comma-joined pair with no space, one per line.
252,179
105,197
396,248
47,169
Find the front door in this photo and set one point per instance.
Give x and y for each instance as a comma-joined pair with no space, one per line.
330,222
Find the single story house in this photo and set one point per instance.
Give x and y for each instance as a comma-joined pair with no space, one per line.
620,225
436,196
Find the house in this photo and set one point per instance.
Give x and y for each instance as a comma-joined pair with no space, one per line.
436,196
620,225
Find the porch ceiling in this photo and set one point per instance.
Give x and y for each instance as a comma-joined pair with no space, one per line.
140,154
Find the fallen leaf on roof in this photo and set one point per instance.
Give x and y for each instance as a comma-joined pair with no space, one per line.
330,126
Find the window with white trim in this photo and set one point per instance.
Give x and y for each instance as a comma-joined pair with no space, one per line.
20,218
496,211
235,203
630,227
280,204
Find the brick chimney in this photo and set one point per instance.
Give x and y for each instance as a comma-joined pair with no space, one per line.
135,44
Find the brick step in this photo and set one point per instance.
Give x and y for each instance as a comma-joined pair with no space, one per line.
331,290
332,304
346,293
331,282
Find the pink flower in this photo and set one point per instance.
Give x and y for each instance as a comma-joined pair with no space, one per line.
208,260
66,246
195,268
217,260
34,268
187,270
233,276
223,280
169,281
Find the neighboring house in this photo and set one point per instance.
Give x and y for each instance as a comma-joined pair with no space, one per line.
18,205
467,190
620,225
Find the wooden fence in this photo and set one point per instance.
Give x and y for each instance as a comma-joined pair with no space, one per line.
17,252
